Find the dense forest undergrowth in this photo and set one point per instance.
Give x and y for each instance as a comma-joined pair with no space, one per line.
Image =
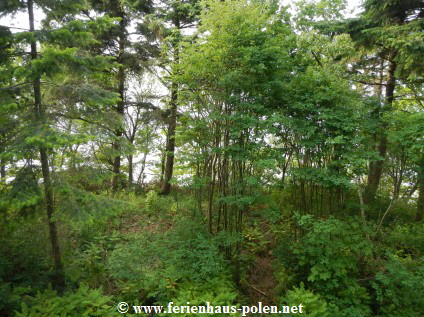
225,152
156,249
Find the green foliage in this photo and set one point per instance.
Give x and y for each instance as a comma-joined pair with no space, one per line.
284,277
83,302
194,253
88,264
11,297
23,192
406,240
154,203
85,211
400,287
333,248
90,179
333,254
183,253
255,242
313,305
275,113
218,291
25,252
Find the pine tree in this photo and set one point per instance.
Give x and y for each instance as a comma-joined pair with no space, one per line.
390,28
118,44
176,16
42,77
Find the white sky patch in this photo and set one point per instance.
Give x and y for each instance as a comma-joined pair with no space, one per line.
20,19
352,10
19,22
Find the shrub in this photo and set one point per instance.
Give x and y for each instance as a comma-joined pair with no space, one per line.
313,305
88,264
152,266
10,297
406,240
83,302
333,254
400,288
218,291
155,203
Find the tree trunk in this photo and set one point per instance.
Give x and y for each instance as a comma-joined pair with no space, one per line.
141,176
376,167
58,280
170,140
376,170
116,182
420,202
170,143
2,169
130,171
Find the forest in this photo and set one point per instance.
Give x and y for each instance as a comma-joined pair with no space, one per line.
233,153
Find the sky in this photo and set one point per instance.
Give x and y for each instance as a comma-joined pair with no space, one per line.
353,6
20,20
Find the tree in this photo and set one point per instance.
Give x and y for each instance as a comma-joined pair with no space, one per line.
118,44
8,108
405,130
53,52
392,38
175,16
230,76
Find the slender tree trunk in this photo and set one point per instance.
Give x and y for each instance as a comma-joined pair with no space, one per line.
2,165
116,182
376,167
143,166
211,192
162,165
130,170
170,143
2,169
361,201
420,202
397,184
59,280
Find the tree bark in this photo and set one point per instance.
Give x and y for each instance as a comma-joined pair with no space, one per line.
3,171
420,183
376,167
2,168
58,279
170,143
116,181
170,140
130,171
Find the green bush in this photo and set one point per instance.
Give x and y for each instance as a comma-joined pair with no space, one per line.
400,288
154,203
152,266
88,263
10,297
25,257
84,302
136,267
86,213
192,251
218,291
406,240
333,255
313,305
